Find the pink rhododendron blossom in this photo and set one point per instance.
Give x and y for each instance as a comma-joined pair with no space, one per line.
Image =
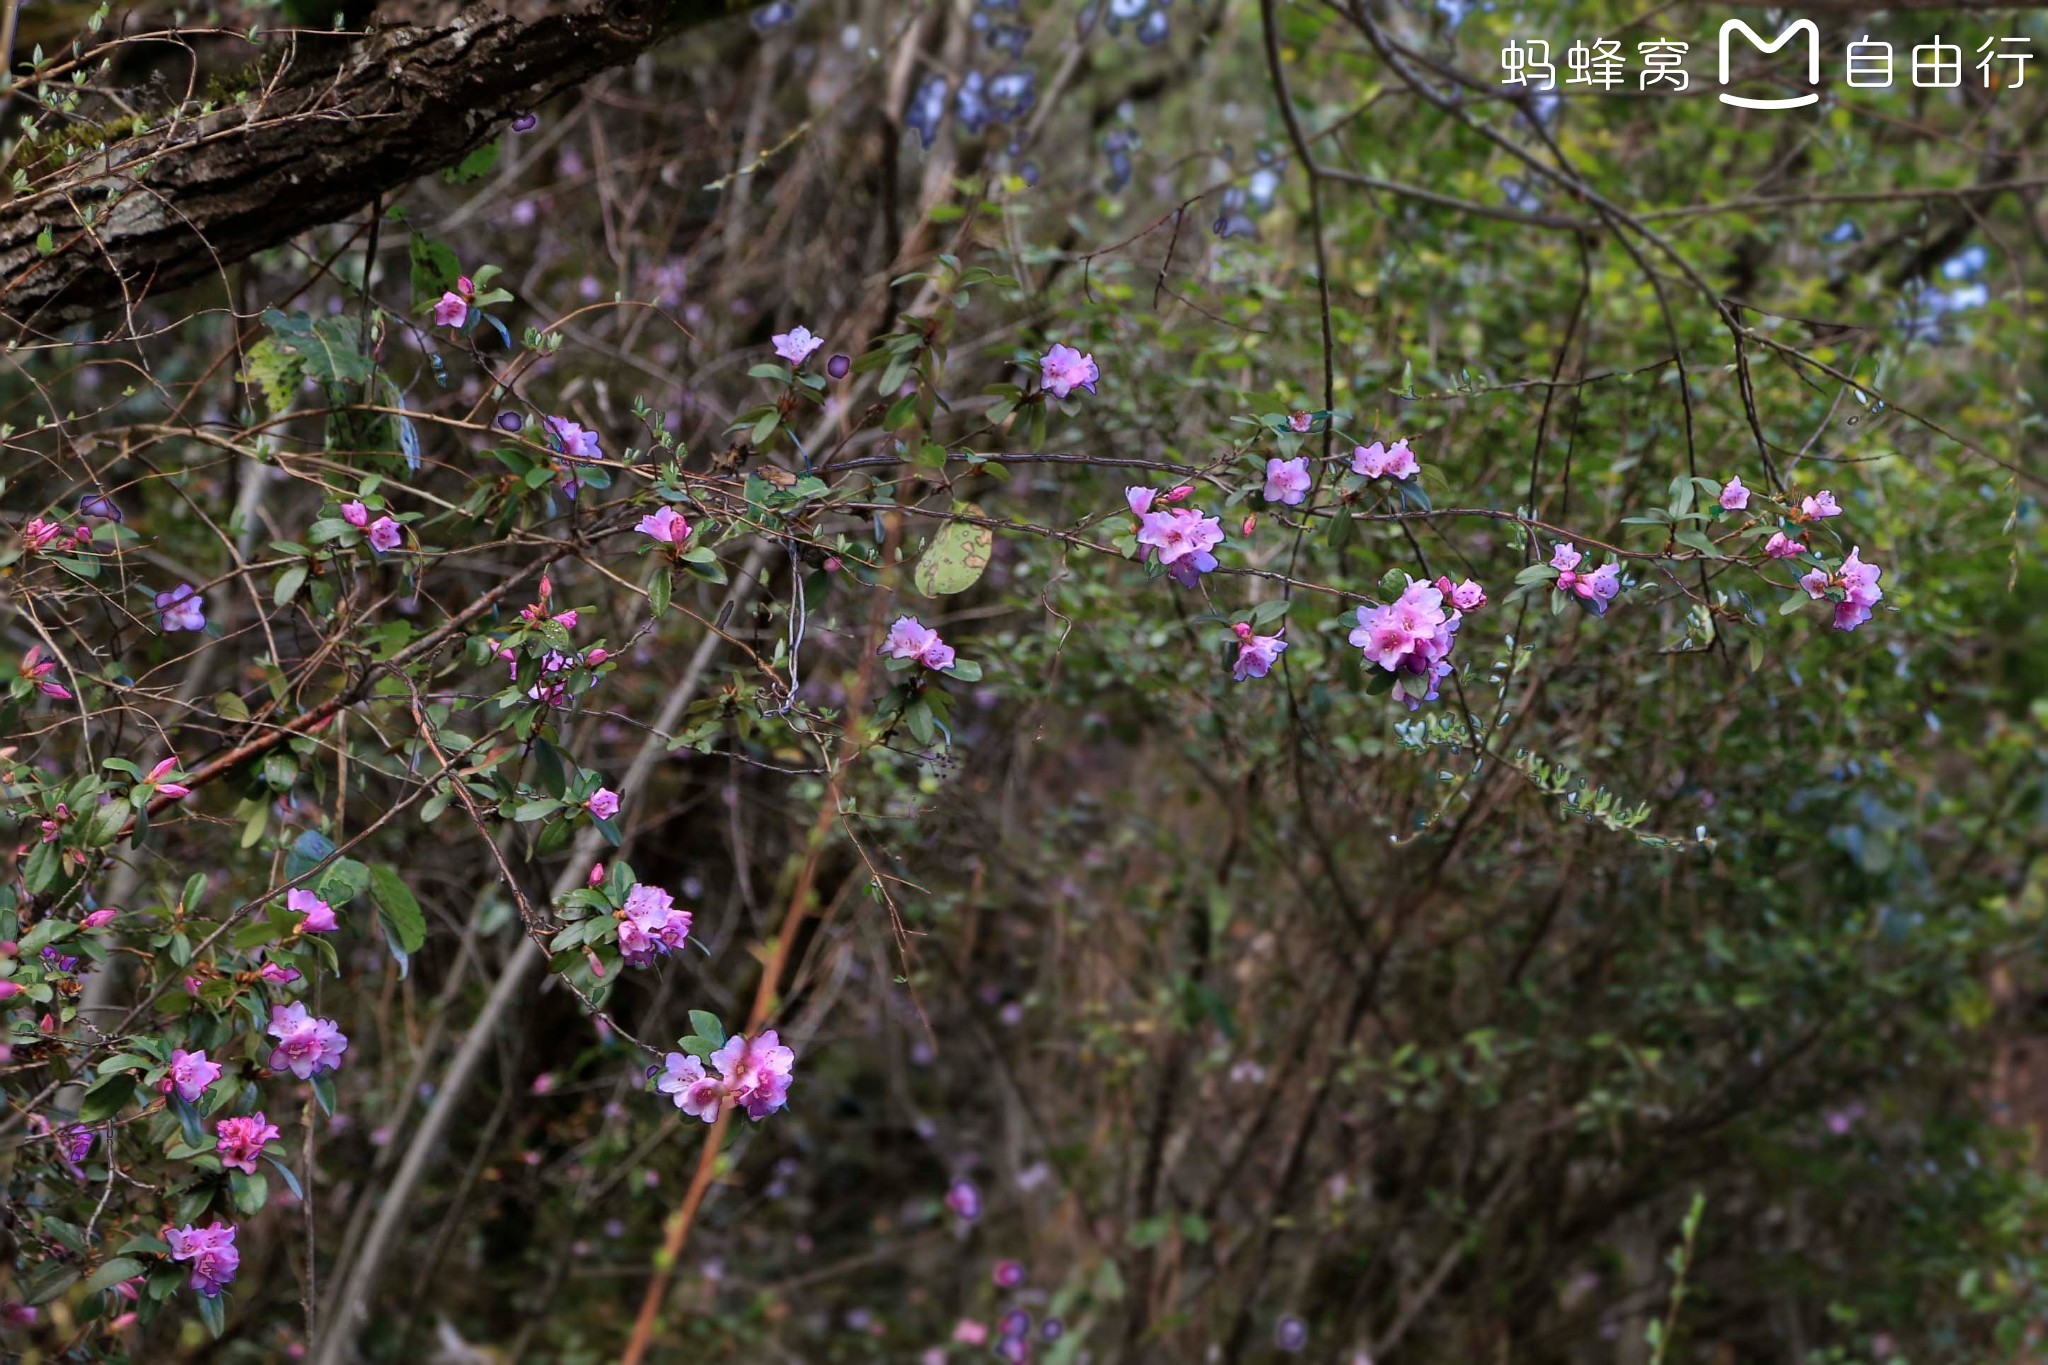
664,525
1595,589
37,670
1821,504
355,514
1782,546
239,1141
1183,539
1852,588
572,439
305,1045
1255,653
182,608
451,310
1064,369
211,1251
190,1074
1410,637
909,638
796,344
317,915
37,533
757,1072
697,1092
385,535
650,926
1465,596
1734,497
604,803
1287,481
1299,421
1139,499
1379,460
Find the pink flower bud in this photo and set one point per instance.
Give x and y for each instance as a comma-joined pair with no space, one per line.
9,989
832,564
597,656
98,918
174,790
1251,524
596,873
167,765
1180,494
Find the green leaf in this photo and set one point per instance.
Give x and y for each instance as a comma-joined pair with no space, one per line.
213,1311
394,900
50,1281
957,556
475,166
112,1273
107,1097
434,270
274,372
708,1026
288,584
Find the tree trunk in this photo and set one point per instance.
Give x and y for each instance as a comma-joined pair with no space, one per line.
317,139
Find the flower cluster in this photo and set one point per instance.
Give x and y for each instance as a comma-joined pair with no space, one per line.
36,669
1063,369
1381,461
190,1074
211,1251
1595,589
650,926
665,525
1410,637
1852,588
754,1074
1182,537
239,1141
1256,654
306,1046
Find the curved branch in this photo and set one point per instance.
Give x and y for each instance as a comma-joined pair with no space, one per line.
320,138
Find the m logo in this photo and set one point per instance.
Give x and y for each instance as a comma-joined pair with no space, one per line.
1812,64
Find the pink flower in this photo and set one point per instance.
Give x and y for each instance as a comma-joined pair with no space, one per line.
99,919
1139,499
37,533
1782,546
1255,653
696,1092
37,670
1183,539
1007,1274
1410,637
183,609
969,1332
10,988
385,535
603,803
963,1197
796,344
1299,421
1064,369
909,638
164,768
318,915
1465,596
210,1250
239,1141
277,974
1595,589
451,310
305,1045
650,926
1380,461
190,1074
757,1073
1821,504
1734,497
1287,481
1852,588
355,514
665,526
574,441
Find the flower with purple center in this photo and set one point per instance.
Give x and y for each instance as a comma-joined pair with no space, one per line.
1734,497
1782,546
1255,653
1821,504
385,535
1300,422
571,439
1852,588
796,344
665,525
650,926
183,609
451,310
1063,369
305,1045
1184,539
603,803
697,1092
211,1251
239,1141
1381,461
1287,481
1410,637
1594,590
355,514
190,1074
